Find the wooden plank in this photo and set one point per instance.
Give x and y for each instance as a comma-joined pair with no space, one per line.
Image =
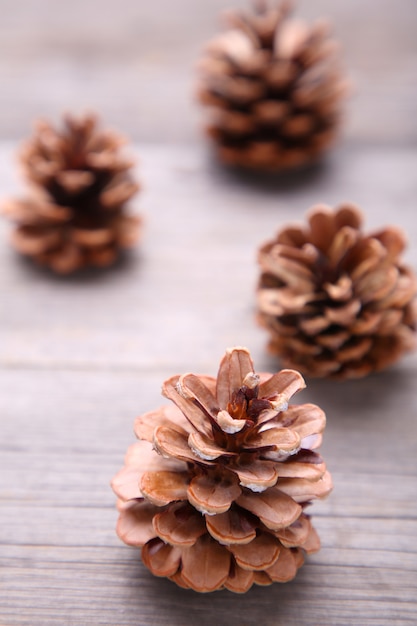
66,435
320,594
139,69
80,357
188,291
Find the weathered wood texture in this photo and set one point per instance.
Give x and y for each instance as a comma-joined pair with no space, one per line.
80,357
135,62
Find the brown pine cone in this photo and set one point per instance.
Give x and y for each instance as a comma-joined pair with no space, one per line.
337,302
274,87
81,182
215,491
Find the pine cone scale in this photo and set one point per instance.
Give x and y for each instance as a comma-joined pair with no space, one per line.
33,240
285,567
213,494
257,555
239,580
191,411
135,525
275,509
161,558
179,525
296,534
163,487
232,527
206,565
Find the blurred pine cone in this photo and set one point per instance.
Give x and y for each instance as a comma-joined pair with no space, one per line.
222,504
337,302
274,87
80,184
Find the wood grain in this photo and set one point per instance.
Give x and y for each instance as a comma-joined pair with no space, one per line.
139,69
80,357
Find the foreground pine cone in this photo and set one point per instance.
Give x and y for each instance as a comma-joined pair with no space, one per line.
274,87
337,302
81,182
216,489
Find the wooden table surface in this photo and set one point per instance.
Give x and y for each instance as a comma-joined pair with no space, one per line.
80,357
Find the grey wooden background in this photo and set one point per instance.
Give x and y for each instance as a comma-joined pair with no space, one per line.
80,357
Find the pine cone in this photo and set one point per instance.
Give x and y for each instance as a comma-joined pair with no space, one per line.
222,504
274,87
337,302
76,214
